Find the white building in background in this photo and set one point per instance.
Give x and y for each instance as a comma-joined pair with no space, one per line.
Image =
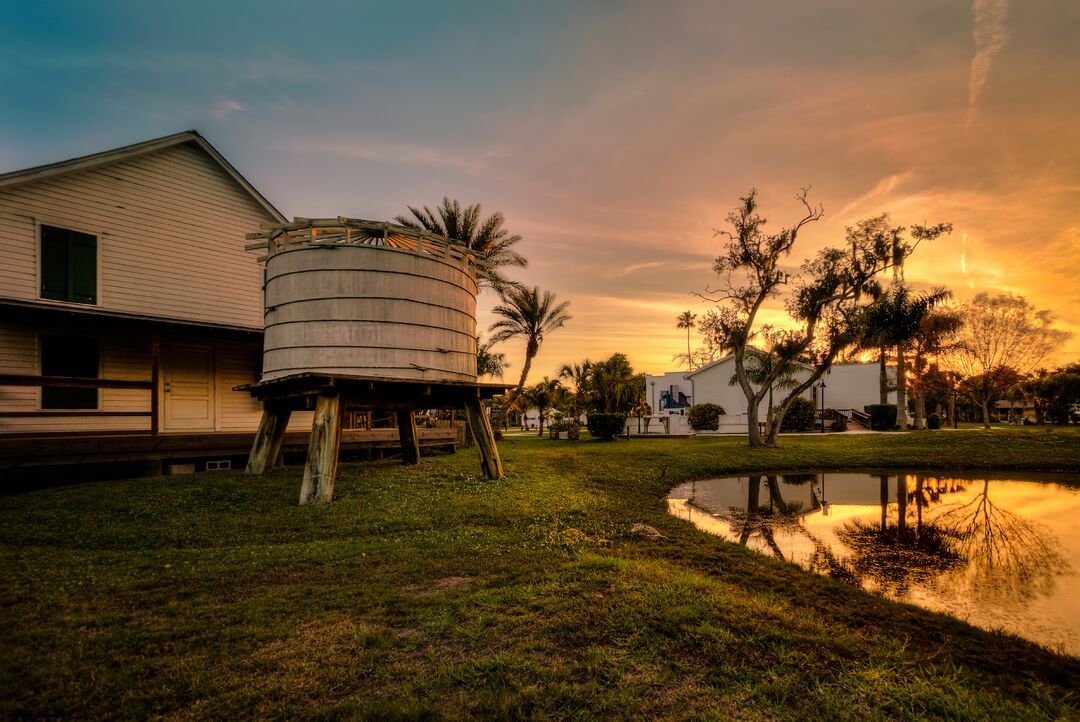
669,393
854,385
847,386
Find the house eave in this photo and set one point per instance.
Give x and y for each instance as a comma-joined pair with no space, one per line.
94,160
60,309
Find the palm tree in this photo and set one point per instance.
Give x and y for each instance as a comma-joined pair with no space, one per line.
686,320
529,315
544,395
492,244
580,375
893,321
614,385
759,369
936,335
488,362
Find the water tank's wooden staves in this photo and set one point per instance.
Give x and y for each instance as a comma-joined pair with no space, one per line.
369,310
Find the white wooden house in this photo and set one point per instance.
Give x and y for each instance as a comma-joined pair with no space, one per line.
130,311
127,301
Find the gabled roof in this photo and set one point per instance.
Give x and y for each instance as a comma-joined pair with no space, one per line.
723,359
710,365
87,162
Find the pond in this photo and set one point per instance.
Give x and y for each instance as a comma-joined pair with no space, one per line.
1001,552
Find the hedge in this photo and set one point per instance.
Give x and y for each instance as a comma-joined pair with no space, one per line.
705,417
882,416
606,426
800,416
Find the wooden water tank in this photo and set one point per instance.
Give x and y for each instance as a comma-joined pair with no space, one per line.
360,298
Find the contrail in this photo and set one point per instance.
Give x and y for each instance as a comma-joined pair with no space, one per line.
990,37
963,260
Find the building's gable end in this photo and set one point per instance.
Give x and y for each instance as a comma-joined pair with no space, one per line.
170,224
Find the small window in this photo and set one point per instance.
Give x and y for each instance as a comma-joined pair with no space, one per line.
69,356
68,265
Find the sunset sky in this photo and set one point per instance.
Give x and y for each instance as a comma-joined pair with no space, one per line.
615,136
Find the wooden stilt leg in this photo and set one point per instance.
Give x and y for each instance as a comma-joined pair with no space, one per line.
322,458
410,442
267,446
484,439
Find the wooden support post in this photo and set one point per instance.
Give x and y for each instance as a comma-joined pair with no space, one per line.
155,375
267,446
322,457
484,438
410,442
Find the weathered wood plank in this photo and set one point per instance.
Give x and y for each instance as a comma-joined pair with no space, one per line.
484,439
268,440
72,382
410,442
322,458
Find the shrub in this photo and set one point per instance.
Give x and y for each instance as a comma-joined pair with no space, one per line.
606,426
573,429
838,424
882,416
705,417
800,416
933,421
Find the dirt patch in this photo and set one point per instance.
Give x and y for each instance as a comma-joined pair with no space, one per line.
439,586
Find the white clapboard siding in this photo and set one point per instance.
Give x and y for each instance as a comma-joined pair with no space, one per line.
170,227
123,356
237,364
127,355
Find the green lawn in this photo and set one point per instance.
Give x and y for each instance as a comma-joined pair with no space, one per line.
429,592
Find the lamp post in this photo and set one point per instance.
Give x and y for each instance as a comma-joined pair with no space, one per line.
822,387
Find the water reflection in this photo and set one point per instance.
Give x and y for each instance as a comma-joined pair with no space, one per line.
999,552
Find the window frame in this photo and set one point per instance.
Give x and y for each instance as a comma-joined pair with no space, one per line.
41,370
39,254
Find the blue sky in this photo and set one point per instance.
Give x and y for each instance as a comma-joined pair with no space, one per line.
614,135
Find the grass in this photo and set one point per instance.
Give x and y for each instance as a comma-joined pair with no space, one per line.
429,592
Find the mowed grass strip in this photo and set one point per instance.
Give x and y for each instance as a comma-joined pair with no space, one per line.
430,592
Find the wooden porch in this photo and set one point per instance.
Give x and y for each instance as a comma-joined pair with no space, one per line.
22,451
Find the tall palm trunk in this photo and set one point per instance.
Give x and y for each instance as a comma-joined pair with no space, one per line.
901,389
883,378
689,358
530,353
920,393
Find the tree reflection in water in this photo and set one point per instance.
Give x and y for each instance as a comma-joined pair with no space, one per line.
765,520
944,543
1008,557
930,540
895,556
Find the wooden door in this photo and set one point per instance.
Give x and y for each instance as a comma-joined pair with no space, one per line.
188,387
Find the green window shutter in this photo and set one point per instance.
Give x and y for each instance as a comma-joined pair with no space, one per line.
55,263
83,268
68,265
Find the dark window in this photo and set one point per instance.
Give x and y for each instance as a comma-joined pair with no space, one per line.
68,265
69,356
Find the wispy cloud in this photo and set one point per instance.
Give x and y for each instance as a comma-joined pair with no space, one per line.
878,193
398,153
990,36
228,108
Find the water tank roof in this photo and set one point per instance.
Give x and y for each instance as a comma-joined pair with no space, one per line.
357,232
